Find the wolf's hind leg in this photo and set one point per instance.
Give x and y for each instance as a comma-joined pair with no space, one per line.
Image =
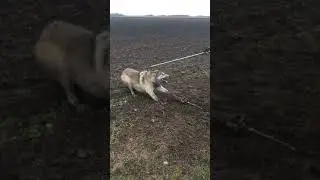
68,88
131,90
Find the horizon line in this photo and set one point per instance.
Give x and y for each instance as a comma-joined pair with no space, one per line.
160,15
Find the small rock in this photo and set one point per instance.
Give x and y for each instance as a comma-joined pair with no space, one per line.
153,120
49,126
82,153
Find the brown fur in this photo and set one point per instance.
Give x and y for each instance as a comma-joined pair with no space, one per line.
144,81
74,55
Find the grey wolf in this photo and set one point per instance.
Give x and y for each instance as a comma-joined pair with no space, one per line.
145,81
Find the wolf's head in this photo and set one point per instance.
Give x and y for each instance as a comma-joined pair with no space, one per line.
153,76
158,76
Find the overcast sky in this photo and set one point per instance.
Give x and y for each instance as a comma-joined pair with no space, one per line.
161,7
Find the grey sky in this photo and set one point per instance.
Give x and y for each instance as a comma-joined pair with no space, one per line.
161,7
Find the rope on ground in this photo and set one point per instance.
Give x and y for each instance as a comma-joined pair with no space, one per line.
241,124
184,100
272,138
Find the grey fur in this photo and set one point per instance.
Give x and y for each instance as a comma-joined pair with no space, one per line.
74,55
144,81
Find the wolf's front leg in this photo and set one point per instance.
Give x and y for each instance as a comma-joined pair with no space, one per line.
162,89
151,93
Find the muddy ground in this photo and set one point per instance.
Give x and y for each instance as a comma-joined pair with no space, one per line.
144,133
266,67
41,136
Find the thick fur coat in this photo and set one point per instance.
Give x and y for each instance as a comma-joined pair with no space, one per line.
74,55
145,81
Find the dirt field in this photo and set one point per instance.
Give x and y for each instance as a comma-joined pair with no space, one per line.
144,133
40,136
43,138
266,67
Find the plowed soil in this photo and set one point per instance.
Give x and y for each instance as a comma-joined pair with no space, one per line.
145,133
41,137
266,68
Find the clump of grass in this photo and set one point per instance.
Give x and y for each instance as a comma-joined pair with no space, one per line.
32,128
139,153
177,173
201,172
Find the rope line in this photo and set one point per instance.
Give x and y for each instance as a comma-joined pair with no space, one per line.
178,59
